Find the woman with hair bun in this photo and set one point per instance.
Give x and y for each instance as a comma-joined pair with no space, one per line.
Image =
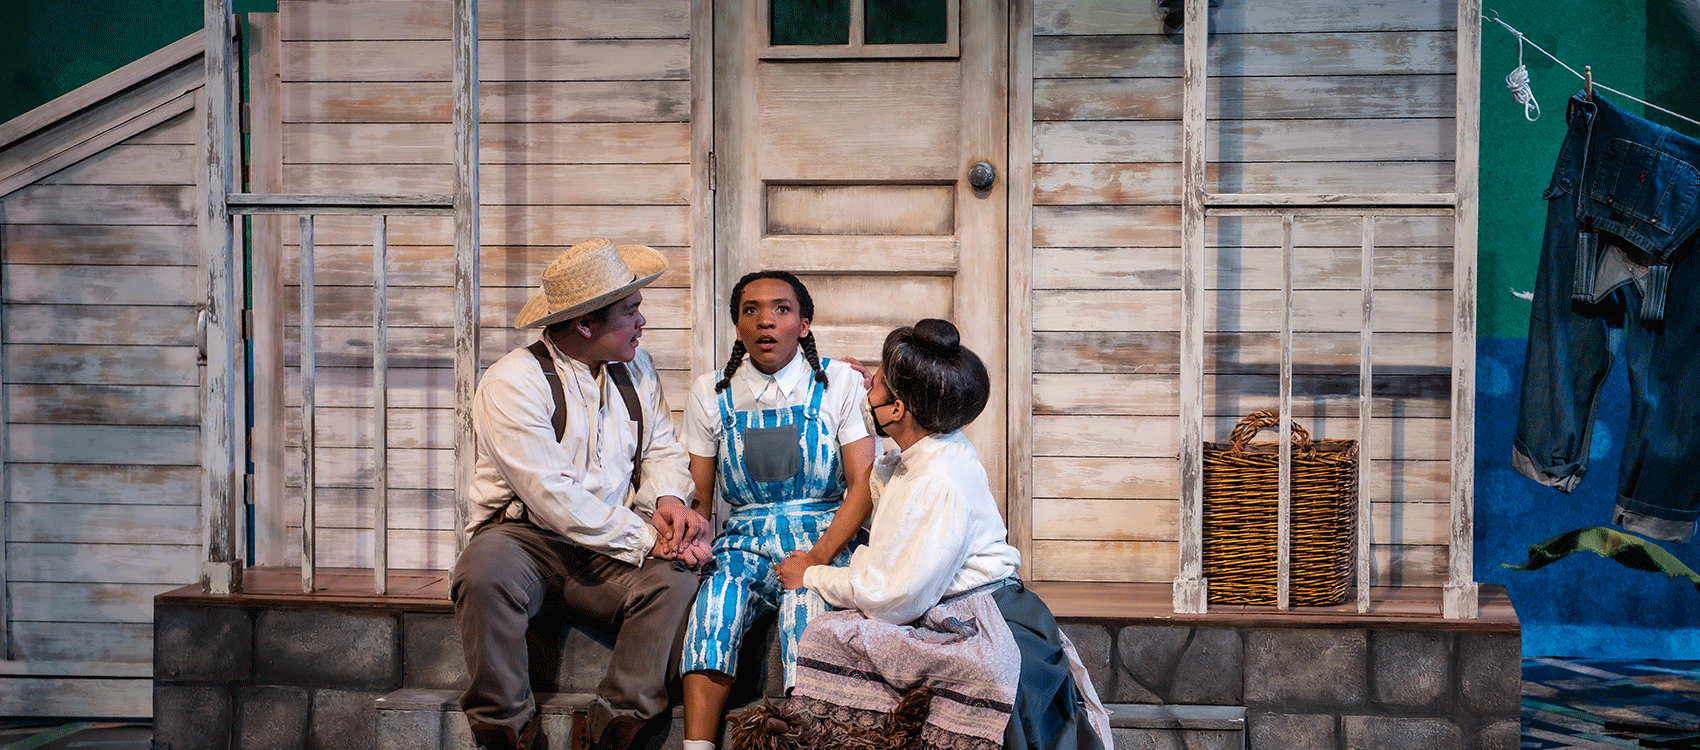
933,600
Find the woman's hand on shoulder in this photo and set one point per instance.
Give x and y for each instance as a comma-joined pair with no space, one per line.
861,369
790,570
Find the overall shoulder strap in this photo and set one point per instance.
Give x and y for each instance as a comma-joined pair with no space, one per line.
725,401
623,381
817,391
540,350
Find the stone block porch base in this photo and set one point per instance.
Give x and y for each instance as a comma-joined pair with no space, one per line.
278,669
411,719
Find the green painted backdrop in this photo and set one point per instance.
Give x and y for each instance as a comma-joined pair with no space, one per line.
52,47
1517,155
1648,50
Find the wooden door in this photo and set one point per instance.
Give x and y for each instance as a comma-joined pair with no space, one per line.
843,148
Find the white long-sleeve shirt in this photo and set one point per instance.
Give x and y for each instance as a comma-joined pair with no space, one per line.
935,532
578,486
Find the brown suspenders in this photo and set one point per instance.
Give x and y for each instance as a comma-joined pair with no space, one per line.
540,350
622,380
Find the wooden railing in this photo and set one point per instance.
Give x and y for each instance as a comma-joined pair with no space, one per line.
1191,589
221,446
380,208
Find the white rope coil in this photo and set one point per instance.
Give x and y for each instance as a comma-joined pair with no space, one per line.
1518,81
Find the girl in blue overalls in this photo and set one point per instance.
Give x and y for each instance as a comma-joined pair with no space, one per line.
779,437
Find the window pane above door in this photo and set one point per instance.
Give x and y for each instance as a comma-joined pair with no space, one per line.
810,22
907,22
849,29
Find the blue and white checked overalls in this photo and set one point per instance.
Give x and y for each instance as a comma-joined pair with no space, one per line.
780,472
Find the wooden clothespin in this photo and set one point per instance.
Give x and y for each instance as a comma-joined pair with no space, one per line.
1588,80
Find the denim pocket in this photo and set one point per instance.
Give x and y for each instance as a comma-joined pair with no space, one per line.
1653,188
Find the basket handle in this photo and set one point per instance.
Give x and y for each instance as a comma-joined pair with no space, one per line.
1257,421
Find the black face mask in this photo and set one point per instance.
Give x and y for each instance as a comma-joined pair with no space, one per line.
879,428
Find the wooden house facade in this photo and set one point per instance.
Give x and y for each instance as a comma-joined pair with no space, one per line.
703,130
852,170
99,210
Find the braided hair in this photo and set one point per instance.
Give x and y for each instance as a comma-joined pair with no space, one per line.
941,382
805,308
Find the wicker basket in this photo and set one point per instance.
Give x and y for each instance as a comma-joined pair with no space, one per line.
1241,486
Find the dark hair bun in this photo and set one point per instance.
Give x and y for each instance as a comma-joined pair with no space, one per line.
938,336
943,383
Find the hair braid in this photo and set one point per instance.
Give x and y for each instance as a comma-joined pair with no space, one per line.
808,344
731,366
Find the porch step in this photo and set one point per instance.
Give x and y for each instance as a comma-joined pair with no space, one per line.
276,669
567,661
421,719
418,719
1142,725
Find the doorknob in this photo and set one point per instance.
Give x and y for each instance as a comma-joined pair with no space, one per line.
981,175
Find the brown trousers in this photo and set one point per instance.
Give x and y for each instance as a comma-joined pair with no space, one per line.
510,571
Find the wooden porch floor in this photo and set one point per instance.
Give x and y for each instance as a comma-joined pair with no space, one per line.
1404,608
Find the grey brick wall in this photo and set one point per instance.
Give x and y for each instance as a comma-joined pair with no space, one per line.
327,647
1320,688
202,644
249,678
231,678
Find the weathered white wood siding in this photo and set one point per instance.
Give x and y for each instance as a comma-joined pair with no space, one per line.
1305,96
585,132
102,396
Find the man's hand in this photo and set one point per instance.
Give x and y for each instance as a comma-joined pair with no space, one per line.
790,570
681,533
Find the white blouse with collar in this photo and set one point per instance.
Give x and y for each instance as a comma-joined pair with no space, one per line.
936,532
841,404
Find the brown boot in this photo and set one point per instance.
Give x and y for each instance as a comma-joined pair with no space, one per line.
502,737
494,737
532,736
618,735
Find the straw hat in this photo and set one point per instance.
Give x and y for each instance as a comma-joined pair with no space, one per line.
587,276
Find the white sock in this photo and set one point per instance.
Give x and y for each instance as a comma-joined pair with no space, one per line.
698,745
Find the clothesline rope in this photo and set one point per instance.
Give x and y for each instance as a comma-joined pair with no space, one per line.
1523,38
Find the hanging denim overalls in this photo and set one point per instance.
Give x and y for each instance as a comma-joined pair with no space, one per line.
780,472
1617,265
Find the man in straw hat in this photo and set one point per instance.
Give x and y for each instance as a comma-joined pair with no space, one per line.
577,503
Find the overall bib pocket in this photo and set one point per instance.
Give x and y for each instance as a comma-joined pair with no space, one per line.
772,454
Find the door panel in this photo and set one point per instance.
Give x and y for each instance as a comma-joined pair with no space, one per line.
864,209
822,120
848,165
